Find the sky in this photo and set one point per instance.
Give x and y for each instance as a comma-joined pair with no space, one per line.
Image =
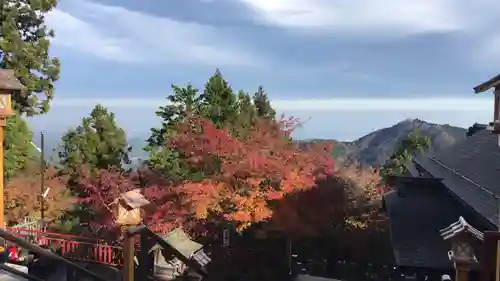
347,67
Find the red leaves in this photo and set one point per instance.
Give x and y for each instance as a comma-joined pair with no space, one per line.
260,176
99,189
264,165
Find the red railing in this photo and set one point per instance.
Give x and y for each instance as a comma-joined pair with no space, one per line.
74,247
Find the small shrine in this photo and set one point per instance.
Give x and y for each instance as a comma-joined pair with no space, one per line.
464,240
167,265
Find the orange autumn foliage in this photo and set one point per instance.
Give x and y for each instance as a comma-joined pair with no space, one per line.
22,195
242,175
349,199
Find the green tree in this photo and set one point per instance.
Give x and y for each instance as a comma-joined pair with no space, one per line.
24,44
410,146
17,144
182,101
218,101
262,105
246,114
98,142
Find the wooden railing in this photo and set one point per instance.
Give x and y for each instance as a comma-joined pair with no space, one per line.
43,253
73,247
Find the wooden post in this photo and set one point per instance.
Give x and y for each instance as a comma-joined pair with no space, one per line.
289,254
461,274
488,258
146,260
129,217
128,256
496,109
2,208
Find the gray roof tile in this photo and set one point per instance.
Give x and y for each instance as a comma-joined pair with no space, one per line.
471,170
417,215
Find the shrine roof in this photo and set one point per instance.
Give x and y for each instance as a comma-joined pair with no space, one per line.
485,86
416,215
181,242
471,171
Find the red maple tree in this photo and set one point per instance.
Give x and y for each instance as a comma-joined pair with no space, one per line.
243,175
98,191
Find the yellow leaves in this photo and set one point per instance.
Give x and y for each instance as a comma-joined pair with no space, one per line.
350,222
23,194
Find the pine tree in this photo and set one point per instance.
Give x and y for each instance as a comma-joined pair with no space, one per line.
218,101
182,101
24,46
98,142
218,104
262,104
246,114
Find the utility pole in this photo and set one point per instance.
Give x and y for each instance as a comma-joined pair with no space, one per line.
42,181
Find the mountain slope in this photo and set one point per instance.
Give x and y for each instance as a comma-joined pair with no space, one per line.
375,148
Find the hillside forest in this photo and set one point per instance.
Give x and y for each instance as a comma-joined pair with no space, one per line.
219,159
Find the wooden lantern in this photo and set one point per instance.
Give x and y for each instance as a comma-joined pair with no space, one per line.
8,84
129,206
463,238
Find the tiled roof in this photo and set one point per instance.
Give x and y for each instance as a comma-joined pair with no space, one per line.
493,82
470,170
417,213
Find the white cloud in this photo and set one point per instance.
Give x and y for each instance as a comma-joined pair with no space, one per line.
429,104
392,17
117,34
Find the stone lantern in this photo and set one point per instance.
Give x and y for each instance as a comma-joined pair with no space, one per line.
129,206
463,238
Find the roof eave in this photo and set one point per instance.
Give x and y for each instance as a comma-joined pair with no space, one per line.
493,82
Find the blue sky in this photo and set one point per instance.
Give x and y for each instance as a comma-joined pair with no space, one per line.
349,66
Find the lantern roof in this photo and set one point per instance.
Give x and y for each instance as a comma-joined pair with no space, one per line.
133,199
8,81
458,227
180,241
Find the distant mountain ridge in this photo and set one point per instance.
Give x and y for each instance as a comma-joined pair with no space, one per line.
372,149
376,147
